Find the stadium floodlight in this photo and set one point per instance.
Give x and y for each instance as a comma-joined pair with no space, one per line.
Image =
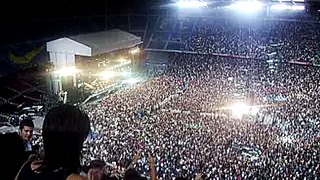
66,71
246,6
287,7
191,4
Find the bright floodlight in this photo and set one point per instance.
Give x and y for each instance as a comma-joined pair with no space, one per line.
107,74
247,6
135,51
191,4
239,109
66,71
122,60
286,7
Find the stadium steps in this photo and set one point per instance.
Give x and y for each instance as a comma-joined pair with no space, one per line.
41,91
151,29
31,98
4,115
21,93
3,98
12,89
26,83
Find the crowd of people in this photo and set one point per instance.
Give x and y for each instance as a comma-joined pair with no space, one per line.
290,40
179,117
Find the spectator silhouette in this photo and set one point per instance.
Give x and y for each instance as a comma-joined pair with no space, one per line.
13,154
64,130
132,174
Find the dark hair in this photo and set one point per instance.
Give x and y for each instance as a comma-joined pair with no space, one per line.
26,122
12,153
97,164
181,178
64,130
132,174
94,164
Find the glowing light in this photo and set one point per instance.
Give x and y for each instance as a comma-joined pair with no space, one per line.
131,81
246,6
122,60
107,74
67,71
191,4
253,110
125,73
298,8
239,109
286,7
135,51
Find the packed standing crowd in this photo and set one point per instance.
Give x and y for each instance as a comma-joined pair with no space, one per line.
292,40
178,118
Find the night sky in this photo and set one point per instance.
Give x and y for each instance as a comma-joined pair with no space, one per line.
64,8
18,17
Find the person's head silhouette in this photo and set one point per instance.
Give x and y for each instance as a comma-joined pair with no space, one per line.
65,128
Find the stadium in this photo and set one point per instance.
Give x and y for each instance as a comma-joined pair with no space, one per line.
173,89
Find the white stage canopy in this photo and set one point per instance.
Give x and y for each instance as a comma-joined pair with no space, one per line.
94,43
107,41
62,51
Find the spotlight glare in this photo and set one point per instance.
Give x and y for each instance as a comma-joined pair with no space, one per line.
122,60
239,109
191,4
107,74
131,81
286,7
66,71
246,6
253,110
135,51
125,73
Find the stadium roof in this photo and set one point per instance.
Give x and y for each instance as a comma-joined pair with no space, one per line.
97,43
